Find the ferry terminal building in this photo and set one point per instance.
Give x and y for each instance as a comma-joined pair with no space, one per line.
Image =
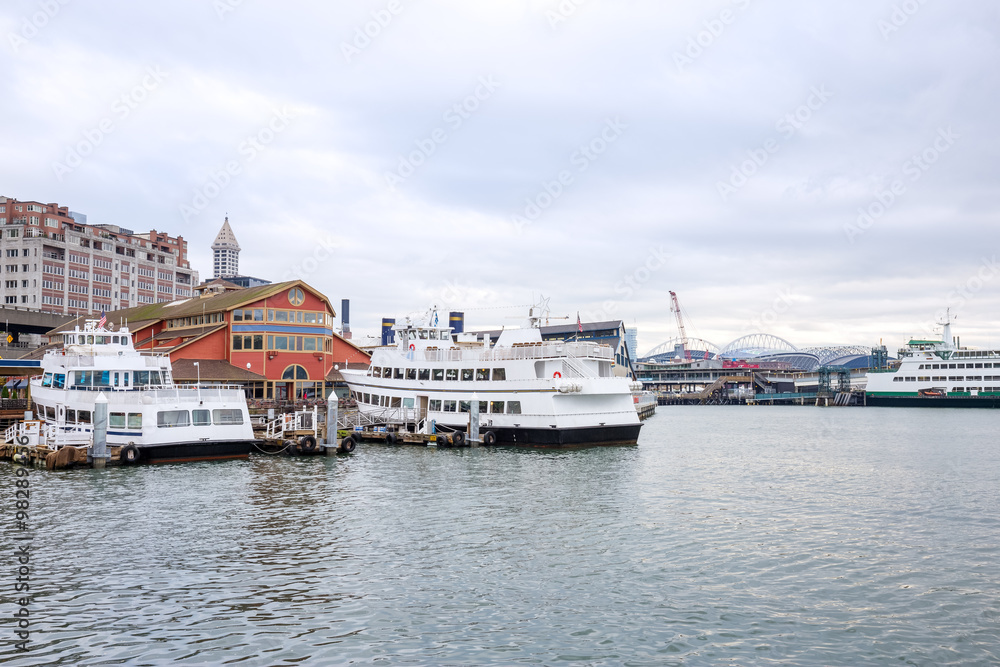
277,340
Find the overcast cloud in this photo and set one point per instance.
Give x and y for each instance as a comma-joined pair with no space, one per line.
478,154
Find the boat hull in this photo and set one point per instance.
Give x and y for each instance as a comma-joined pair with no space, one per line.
933,401
185,452
588,436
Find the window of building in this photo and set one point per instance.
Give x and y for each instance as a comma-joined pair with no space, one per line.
295,372
296,297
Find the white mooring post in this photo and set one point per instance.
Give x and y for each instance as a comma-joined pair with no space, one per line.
474,421
99,450
331,424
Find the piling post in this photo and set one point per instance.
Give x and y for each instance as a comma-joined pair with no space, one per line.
99,449
332,417
474,421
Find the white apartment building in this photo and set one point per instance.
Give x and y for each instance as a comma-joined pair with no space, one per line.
53,263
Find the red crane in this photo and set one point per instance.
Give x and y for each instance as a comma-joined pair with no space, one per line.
675,308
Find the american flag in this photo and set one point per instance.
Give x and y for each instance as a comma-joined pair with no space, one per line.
579,324
103,321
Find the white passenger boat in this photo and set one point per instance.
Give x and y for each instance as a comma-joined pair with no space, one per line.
529,391
150,417
937,373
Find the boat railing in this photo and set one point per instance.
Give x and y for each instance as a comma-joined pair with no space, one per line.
518,351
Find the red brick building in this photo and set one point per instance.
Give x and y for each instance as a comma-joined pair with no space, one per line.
278,340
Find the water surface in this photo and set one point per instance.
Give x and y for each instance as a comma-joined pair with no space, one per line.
736,535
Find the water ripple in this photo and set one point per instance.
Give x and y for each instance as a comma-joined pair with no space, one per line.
793,536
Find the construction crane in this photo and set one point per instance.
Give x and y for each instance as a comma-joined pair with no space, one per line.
675,308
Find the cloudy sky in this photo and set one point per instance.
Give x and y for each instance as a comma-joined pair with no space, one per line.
826,172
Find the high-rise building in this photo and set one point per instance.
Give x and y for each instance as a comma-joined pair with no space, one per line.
632,342
54,262
225,253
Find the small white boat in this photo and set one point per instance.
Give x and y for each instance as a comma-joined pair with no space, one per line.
150,417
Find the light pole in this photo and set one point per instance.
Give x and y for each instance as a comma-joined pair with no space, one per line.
197,384
249,393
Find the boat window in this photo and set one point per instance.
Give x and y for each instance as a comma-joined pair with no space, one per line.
377,371
483,374
81,378
464,406
116,420
90,340
424,374
47,380
70,415
80,340
433,334
141,378
102,378
59,380
496,407
50,412
408,402
395,403
449,406
437,374
467,375
387,372
135,420
411,373
116,379
513,407
173,418
434,405
154,377
201,417
397,373
422,334
451,374
366,398
499,374
227,416
83,416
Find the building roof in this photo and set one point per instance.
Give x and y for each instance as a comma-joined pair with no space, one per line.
225,239
212,370
197,305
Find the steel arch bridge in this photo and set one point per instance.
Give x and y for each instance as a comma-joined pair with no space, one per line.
667,348
756,344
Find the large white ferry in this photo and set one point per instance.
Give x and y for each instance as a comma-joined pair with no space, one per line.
937,373
150,417
529,391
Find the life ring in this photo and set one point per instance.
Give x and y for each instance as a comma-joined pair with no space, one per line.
307,443
489,438
458,438
412,347
347,445
557,374
129,454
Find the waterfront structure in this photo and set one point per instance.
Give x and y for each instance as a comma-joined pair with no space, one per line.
527,391
632,342
937,373
55,263
278,340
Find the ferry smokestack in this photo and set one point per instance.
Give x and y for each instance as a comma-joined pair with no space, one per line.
345,317
388,335
456,321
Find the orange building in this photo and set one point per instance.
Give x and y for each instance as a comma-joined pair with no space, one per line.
278,340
